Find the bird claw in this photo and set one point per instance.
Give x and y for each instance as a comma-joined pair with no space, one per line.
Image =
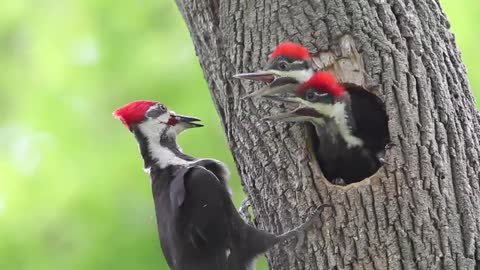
301,231
299,255
381,158
383,161
244,213
390,145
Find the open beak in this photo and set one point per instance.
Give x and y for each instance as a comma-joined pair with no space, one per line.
275,85
188,121
285,99
270,90
300,114
291,116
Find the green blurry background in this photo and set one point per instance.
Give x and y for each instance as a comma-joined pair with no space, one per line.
73,194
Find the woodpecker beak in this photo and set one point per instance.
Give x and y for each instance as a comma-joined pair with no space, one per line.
293,116
285,99
260,76
303,112
300,114
187,121
271,90
276,85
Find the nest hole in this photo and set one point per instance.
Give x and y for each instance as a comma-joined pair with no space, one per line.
344,164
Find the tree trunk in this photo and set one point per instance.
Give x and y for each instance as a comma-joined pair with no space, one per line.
419,211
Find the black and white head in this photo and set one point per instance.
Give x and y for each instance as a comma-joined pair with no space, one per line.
153,119
288,65
156,129
320,99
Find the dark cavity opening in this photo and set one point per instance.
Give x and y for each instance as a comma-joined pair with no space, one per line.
343,164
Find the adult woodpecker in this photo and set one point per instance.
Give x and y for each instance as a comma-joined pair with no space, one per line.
198,225
351,126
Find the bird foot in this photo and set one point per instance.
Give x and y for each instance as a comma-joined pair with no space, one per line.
244,213
299,232
381,158
383,161
390,145
298,251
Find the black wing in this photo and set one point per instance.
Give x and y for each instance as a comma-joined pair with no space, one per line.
202,207
370,119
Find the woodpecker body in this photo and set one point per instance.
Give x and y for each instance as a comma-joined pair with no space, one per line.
351,128
359,159
198,225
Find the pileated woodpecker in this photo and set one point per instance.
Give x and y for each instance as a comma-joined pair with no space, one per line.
351,126
289,65
198,225
342,160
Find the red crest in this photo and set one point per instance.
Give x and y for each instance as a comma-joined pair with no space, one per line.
324,82
290,50
133,112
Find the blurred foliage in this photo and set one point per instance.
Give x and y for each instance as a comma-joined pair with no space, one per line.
73,194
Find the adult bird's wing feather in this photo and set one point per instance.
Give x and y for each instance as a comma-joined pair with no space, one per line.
203,214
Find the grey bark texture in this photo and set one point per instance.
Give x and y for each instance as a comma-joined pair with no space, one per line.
422,209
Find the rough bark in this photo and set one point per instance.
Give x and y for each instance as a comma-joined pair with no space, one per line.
421,210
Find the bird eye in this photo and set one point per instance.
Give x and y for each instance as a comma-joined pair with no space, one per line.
282,65
162,107
310,96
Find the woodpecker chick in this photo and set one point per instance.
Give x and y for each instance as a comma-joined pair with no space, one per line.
336,157
289,65
198,225
350,124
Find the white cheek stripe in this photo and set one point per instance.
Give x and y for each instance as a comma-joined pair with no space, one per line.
337,112
300,75
318,121
162,155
